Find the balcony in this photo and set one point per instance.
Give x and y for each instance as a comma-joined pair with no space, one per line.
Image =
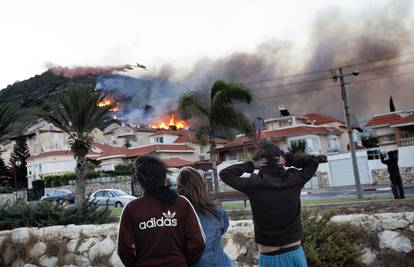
407,141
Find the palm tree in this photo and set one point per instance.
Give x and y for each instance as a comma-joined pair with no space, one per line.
8,115
218,116
76,112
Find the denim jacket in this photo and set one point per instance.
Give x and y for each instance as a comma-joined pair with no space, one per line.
214,228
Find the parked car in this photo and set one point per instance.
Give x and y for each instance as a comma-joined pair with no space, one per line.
60,195
114,197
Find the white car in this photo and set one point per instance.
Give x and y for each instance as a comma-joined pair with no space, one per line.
113,197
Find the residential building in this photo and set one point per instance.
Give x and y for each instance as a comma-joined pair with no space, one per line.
393,129
322,135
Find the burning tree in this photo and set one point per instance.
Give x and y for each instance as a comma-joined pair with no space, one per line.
219,116
77,112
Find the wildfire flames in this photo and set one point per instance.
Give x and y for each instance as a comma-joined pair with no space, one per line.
107,102
171,123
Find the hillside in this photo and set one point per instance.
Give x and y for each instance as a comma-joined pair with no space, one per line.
30,95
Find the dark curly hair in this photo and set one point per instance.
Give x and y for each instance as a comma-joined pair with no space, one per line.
271,152
151,173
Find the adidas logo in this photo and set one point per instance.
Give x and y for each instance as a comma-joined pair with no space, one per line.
167,220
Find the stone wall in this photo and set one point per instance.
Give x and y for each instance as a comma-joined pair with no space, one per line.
94,245
381,176
7,198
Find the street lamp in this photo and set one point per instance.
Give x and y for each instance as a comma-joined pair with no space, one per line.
16,163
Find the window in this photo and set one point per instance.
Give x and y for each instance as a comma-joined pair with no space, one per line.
99,194
159,140
202,157
387,138
201,150
373,153
333,145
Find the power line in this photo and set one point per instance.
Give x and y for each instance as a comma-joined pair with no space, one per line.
327,87
328,69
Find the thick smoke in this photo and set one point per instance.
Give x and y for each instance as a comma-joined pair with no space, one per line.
78,71
337,39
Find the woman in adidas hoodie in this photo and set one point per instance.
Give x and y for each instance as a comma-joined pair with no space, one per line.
213,217
159,228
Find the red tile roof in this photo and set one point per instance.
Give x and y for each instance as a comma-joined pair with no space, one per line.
281,133
177,162
144,130
406,120
139,151
321,118
383,120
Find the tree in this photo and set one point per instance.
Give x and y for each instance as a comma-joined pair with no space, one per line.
20,154
217,114
5,177
76,112
370,141
8,116
298,146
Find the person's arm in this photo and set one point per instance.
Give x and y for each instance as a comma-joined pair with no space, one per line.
383,160
307,163
126,240
194,237
232,175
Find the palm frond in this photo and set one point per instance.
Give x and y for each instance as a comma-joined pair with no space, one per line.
8,115
229,93
228,117
202,135
190,104
76,111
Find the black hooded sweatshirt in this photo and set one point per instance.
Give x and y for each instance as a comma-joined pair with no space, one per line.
274,197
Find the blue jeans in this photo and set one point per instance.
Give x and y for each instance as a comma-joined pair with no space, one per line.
294,258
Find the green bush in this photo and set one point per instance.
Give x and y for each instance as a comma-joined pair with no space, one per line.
331,244
121,169
58,180
42,214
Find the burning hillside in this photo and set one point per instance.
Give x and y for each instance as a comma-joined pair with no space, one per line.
171,123
109,101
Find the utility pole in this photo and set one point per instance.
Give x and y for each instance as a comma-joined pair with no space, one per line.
335,77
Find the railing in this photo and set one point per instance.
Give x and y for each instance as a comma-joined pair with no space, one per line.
407,141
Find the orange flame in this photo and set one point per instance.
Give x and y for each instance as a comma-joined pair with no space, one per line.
172,122
107,102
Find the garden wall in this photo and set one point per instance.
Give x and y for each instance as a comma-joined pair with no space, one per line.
382,177
94,245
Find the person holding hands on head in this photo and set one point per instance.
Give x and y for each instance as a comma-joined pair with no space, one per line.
274,195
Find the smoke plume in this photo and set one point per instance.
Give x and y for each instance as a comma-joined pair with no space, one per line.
337,39
79,71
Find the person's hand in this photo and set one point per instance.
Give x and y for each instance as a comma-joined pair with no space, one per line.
281,161
259,163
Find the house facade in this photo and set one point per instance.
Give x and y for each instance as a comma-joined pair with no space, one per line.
322,135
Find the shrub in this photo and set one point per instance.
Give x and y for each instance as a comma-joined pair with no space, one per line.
58,180
42,214
331,244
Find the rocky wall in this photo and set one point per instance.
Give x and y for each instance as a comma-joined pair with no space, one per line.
94,245
381,176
